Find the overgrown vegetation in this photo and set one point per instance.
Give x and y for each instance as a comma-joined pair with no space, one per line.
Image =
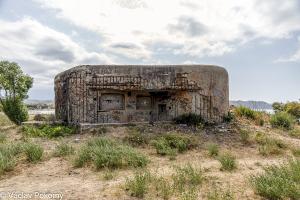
256,116
63,150
173,143
278,182
136,138
107,153
190,119
282,120
44,117
269,146
2,137
245,136
228,162
49,131
295,133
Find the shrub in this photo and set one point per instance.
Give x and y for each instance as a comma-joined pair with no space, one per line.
106,153
138,185
48,131
15,110
40,117
213,150
293,108
282,120
278,182
229,117
227,161
63,149
169,144
242,111
187,177
33,152
189,119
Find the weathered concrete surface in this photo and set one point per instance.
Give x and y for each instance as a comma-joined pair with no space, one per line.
135,93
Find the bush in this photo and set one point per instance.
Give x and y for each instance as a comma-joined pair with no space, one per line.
213,150
229,117
169,144
15,110
138,185
187,177
33,152
63,149
48,131
282,120
293,108
228,162
190,119
242,111
278,182
106,153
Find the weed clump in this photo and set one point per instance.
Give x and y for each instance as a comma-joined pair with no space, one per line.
228,162
295,133
213,150
138,185
190,119
278,182
136,138
282,120
106,153
2,137
269,146
243,111
48,131
63,150
170,144
8,154
33,152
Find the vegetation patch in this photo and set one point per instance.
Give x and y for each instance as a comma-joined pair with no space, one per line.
282,120
190,119
2,137
228,162
243,111
136,138
245,136
278,182
8,156
217,193
295,133
63,150
139,184
48,131
33,152
106,153
213,149
170,144
269,146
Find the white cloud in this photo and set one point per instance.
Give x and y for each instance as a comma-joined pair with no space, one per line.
42,52
216,24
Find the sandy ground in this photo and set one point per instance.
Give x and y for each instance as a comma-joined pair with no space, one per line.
56,175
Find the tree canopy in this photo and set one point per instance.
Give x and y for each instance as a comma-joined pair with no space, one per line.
13,82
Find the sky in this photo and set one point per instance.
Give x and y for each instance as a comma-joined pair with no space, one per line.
258,42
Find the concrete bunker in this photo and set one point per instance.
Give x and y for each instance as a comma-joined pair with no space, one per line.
97,94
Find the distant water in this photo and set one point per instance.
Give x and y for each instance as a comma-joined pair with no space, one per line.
41,111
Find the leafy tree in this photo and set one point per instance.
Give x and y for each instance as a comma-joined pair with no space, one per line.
14,86
278,107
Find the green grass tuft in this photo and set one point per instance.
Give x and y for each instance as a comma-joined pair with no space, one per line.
282,120
33,152
63,150
138,185
213,149
278,182
228,162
